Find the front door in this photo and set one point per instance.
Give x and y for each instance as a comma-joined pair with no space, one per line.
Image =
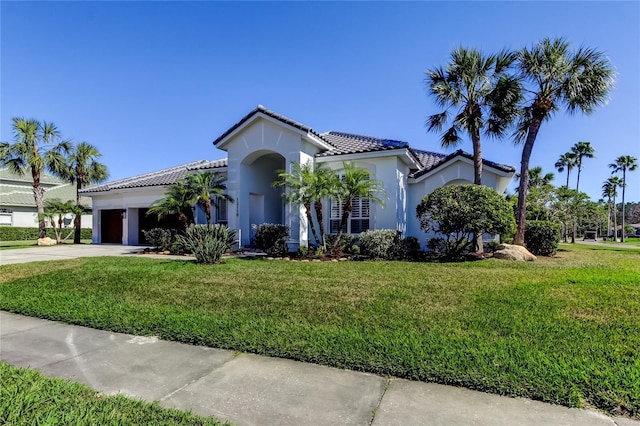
111,226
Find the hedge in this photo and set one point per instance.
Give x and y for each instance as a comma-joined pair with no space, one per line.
20,233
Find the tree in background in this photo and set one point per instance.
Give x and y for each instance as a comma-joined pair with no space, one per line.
622,164
36,146
478,90
83,169
582,150
609,191
554,78
611,187
56,211
566,161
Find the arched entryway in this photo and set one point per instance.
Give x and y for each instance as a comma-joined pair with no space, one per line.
263,202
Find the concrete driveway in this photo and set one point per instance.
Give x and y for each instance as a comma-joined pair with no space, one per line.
65,251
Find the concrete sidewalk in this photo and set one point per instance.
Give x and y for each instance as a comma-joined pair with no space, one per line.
255,390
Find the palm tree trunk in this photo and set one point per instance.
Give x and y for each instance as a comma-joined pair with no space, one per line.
38,196
624,172
568,171
320,218
608,217
307,211
207,210
477,180
615,220
578,180
77,221
524,180
346,211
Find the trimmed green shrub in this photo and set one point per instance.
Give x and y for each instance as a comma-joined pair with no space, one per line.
541,237
382,244
207,242
22,233
161,239
412,248
272,238
451,248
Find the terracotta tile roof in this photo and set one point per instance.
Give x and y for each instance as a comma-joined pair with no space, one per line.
161,177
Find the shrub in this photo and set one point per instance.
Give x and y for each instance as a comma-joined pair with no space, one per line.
272,238
542,237
382,244
344,245
23,233
412,248
459,212
207,242
161,239
451,248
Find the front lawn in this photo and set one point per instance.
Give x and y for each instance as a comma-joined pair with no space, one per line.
29,398
563,330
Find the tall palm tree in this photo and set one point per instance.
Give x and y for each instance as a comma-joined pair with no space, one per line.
175,202
582,150
36,146
612,185
566,161
83,169
207,188
356,183
622,164
556,77
478,91
609,191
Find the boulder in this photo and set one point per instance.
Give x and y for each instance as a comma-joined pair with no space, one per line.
513,252
46,241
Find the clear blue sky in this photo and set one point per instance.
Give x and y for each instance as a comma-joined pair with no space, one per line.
152,84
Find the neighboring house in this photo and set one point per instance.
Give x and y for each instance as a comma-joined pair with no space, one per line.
263,142
17,206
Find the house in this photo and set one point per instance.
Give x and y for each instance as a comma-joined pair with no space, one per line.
263,142
17,206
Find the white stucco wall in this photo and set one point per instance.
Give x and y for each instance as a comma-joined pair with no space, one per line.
27,217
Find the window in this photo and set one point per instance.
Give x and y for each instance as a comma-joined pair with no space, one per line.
358,220
6,216
221,211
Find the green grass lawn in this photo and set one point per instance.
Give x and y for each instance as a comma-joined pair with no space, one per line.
29,398
564,330
12,245
629,241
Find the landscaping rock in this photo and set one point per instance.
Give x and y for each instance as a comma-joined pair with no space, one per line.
513,252
46,241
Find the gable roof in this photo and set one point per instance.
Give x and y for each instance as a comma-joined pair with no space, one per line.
350,143
167,176
275,116
45,178
433,160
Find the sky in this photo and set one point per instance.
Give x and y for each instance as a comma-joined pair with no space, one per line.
152,84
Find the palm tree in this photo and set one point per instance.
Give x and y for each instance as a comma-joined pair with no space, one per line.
568,161
556,77
478,91
175,202
609,191
622,164
612,185
56,210
582,150
207,188
83,169
537,179
36,146
356,183
304,186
